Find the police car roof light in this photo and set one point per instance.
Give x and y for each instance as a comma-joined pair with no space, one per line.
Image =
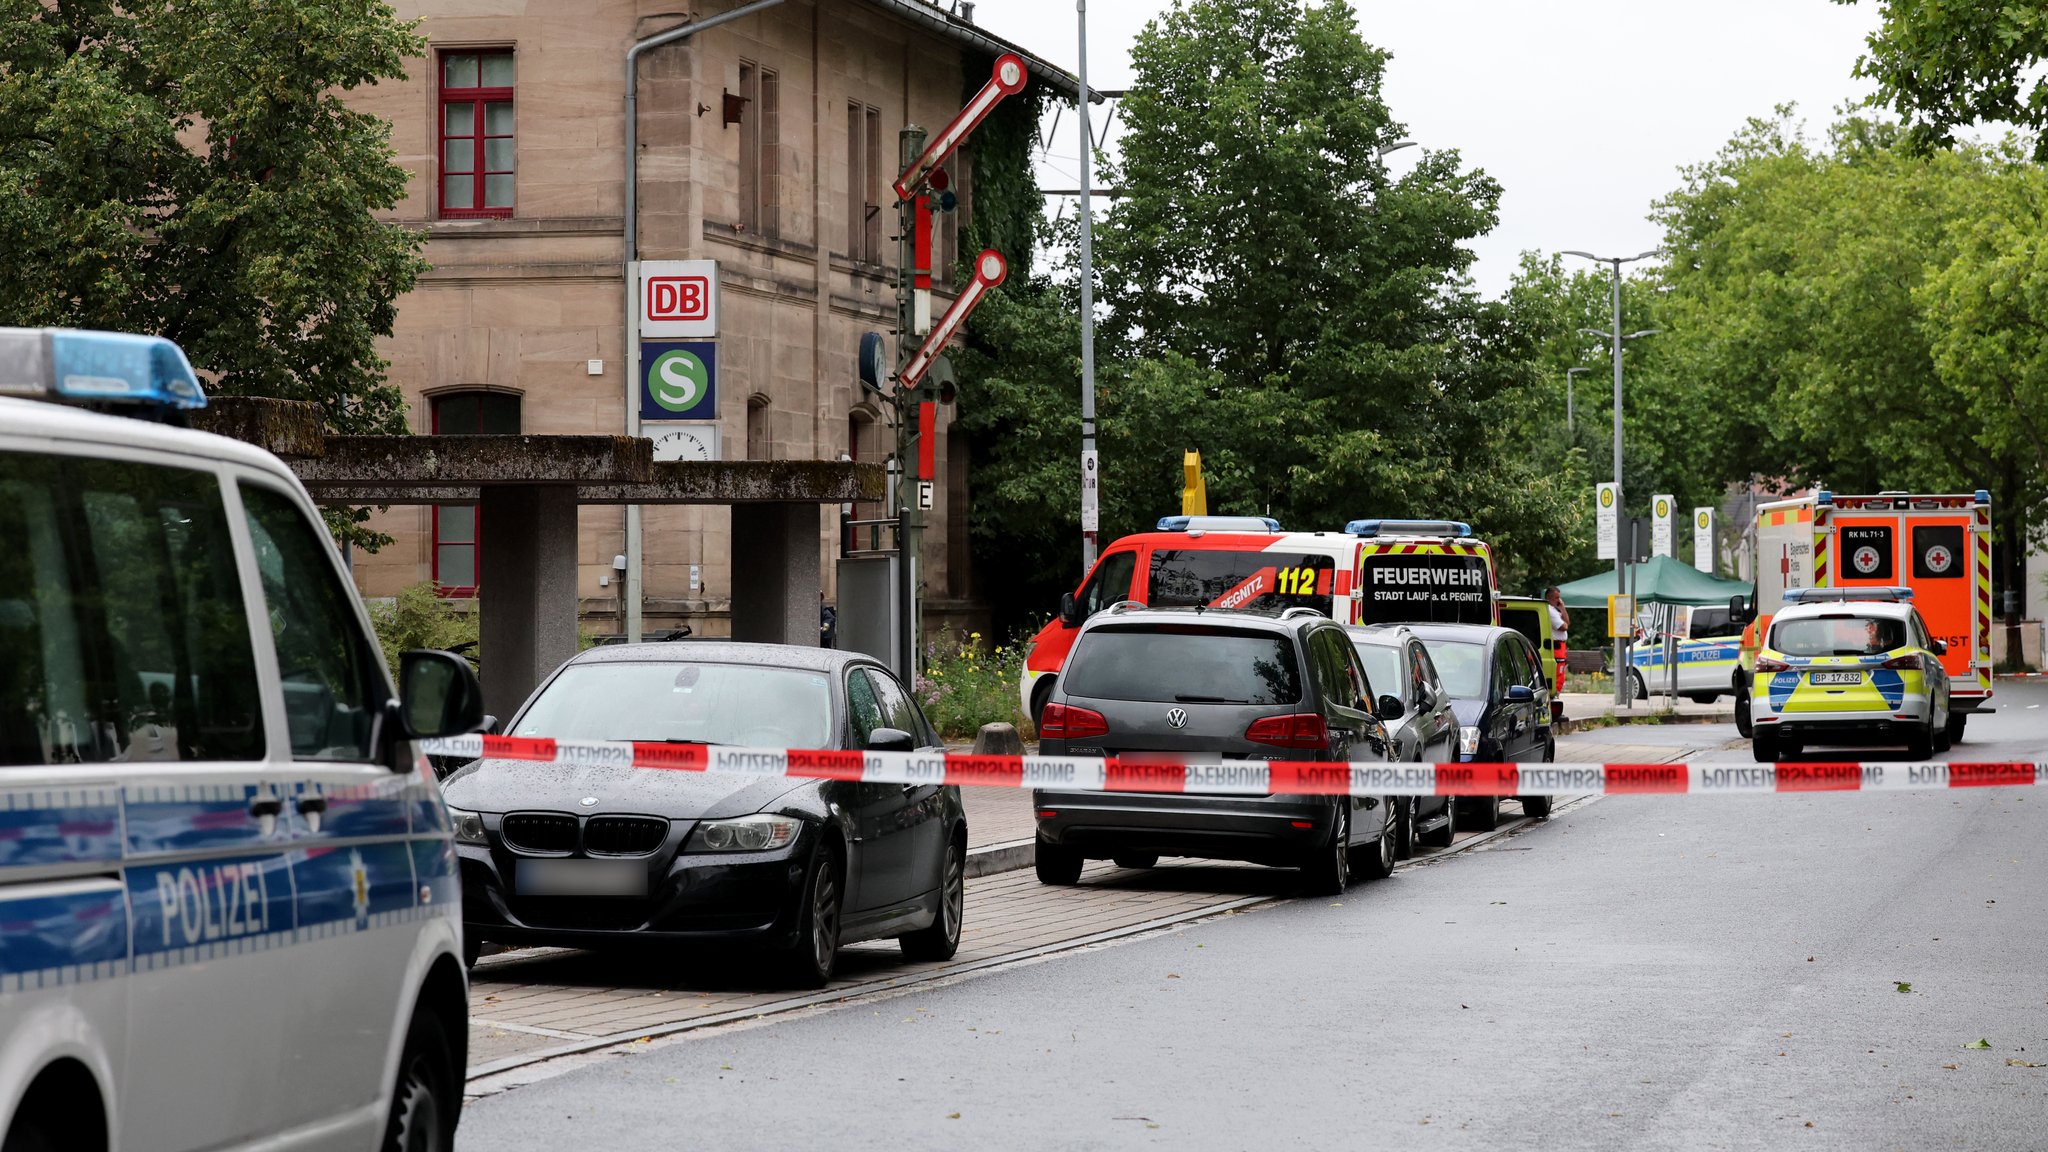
1983,497
1892,594
79,366
1824,497
1218,524
1408,528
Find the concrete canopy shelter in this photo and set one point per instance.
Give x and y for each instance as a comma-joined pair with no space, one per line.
527,489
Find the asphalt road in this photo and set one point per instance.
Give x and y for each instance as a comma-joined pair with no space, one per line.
1802,971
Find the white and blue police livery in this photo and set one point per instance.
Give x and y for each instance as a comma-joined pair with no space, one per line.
1687,650
229,912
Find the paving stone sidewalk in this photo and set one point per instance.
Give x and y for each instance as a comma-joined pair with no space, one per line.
533,1000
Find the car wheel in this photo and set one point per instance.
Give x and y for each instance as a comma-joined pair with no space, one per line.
1057,864
942,939
1484,811
1764,746
1536,807
1404,823
1742,723
1327,870
1442,837
810,959
1703,697
1957,721
1136,859
1638,690
471,949
427,1100
1375,861
1920,745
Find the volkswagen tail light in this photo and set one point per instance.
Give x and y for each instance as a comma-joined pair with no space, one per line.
1066,722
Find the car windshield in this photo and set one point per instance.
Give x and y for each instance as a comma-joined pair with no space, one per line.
1844,635
1382,668
692,703
1189,664
1461,667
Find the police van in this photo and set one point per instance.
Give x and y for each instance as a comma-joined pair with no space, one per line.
230,903
1373,572
1688,650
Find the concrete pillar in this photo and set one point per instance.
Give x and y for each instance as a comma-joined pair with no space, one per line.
526,589
775,573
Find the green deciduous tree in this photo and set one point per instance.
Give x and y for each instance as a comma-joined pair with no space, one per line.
191,170
1944,65
1278,301
1862,314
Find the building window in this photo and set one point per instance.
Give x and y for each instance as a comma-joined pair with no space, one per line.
457,542
864,179
476,134
864,442
761,150
759,442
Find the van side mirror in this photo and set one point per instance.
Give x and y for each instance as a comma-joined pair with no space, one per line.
438,695
1520,694
1941,647
1070,610
1391,708
1739,611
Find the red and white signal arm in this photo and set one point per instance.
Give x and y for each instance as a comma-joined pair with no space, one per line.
678,298
989,270
1007,78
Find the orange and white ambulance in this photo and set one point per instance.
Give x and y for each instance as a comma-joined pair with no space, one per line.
1374,571
1939,546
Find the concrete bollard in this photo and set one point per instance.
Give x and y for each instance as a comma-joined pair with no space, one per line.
998,739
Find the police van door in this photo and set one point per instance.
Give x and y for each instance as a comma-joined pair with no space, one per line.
125,626
359,914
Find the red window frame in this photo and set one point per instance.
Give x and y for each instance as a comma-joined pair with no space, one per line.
476,535
477,98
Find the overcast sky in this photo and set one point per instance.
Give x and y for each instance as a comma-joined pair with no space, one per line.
1584,110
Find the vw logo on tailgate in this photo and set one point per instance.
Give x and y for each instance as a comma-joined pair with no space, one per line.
1177,717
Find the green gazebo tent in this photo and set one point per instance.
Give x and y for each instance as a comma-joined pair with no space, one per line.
1660,581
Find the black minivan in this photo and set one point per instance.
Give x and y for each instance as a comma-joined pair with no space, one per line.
1214,684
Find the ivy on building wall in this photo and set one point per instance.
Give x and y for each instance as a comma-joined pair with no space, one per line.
1006,203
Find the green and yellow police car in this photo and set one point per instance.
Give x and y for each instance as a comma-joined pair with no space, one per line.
1849,666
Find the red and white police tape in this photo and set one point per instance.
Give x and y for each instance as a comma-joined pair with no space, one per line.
1242,777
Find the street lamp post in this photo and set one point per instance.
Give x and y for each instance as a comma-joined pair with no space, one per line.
1616,334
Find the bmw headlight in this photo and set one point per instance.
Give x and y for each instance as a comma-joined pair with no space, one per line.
469,826
1468,741
745,834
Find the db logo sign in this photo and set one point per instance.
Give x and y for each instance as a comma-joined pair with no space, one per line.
678,298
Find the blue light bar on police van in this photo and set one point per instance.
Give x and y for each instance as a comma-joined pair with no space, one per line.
77,366
1843,595
1218,524
1408,528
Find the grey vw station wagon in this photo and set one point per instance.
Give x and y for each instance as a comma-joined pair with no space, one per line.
1215,685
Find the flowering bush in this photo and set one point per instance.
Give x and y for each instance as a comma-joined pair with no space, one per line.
966,684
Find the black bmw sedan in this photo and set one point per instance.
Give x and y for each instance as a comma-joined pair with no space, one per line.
589,856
